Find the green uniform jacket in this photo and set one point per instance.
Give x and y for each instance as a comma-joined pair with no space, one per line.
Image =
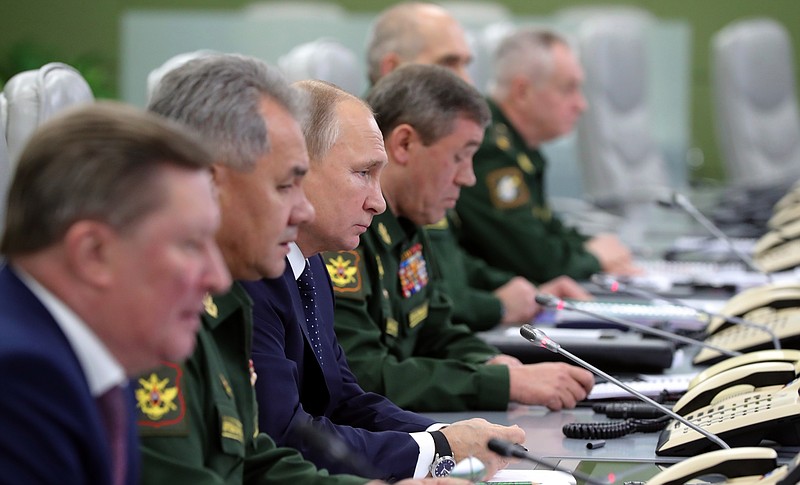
468,281
393,321
198,421
506,220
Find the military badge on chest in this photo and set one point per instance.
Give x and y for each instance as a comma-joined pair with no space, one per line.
413,271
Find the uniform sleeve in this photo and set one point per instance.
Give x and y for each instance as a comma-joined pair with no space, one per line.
467,281
537,250
196,451
182,448
435,382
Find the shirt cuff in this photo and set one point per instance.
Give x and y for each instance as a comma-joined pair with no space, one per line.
426,451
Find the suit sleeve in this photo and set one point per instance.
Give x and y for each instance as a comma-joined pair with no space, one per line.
46,436
391,451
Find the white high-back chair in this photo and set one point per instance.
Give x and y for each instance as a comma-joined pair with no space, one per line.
756,114
5,165
327,60
32,97
29,99
620,161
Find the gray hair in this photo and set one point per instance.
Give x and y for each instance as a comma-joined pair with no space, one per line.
395,30
528,52
96,162
219,97
321,126
429,98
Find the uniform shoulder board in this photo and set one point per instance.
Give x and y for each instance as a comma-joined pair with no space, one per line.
346,269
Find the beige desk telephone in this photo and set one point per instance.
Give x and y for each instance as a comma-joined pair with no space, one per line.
742,466
741,420
775,305
778,249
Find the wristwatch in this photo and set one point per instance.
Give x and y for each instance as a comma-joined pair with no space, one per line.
443,461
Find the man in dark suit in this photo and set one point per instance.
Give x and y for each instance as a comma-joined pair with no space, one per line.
101,283
298,349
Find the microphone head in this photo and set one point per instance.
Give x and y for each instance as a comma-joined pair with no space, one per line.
538,337
505,448
605,281
547,300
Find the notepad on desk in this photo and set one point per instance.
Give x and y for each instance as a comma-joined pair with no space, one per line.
530,477
648,384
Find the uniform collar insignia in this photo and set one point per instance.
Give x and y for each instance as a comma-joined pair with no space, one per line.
210,306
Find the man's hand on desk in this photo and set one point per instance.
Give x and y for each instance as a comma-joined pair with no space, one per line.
565,287
614,257
469,438
518,300
552,384
518,297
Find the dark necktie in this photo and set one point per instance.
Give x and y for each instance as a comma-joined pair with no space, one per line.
308,296
114,413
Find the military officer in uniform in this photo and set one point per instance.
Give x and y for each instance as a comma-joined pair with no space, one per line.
483,296
392,317
198,419
535,96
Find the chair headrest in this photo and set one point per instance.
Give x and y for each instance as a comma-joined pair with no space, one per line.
32,97
326,60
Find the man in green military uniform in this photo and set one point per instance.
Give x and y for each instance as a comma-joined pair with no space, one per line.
482,296
198,419
392,317
535,96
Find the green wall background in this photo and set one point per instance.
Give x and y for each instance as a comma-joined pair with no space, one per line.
85,33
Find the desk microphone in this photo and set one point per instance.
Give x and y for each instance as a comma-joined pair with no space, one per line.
513,450
614,286
542,340
559,304
676,199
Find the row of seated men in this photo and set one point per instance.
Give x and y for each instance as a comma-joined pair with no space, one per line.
330,215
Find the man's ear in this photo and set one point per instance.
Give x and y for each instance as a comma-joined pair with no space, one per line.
89,252
389,63
520,87
400,142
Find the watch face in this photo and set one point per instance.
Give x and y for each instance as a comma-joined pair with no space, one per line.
443,466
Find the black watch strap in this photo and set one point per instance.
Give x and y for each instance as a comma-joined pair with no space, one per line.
440,444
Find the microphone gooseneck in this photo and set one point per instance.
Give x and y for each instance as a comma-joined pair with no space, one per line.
553,302
538,337
682,202
614,286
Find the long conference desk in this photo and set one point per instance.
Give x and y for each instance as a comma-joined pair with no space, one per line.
545,439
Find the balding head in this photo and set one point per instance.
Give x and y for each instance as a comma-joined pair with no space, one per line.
416,32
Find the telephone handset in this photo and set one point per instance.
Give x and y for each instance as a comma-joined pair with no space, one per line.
771,355
763,376
748,462
743,420
742,466
784,216
775,305
778,249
